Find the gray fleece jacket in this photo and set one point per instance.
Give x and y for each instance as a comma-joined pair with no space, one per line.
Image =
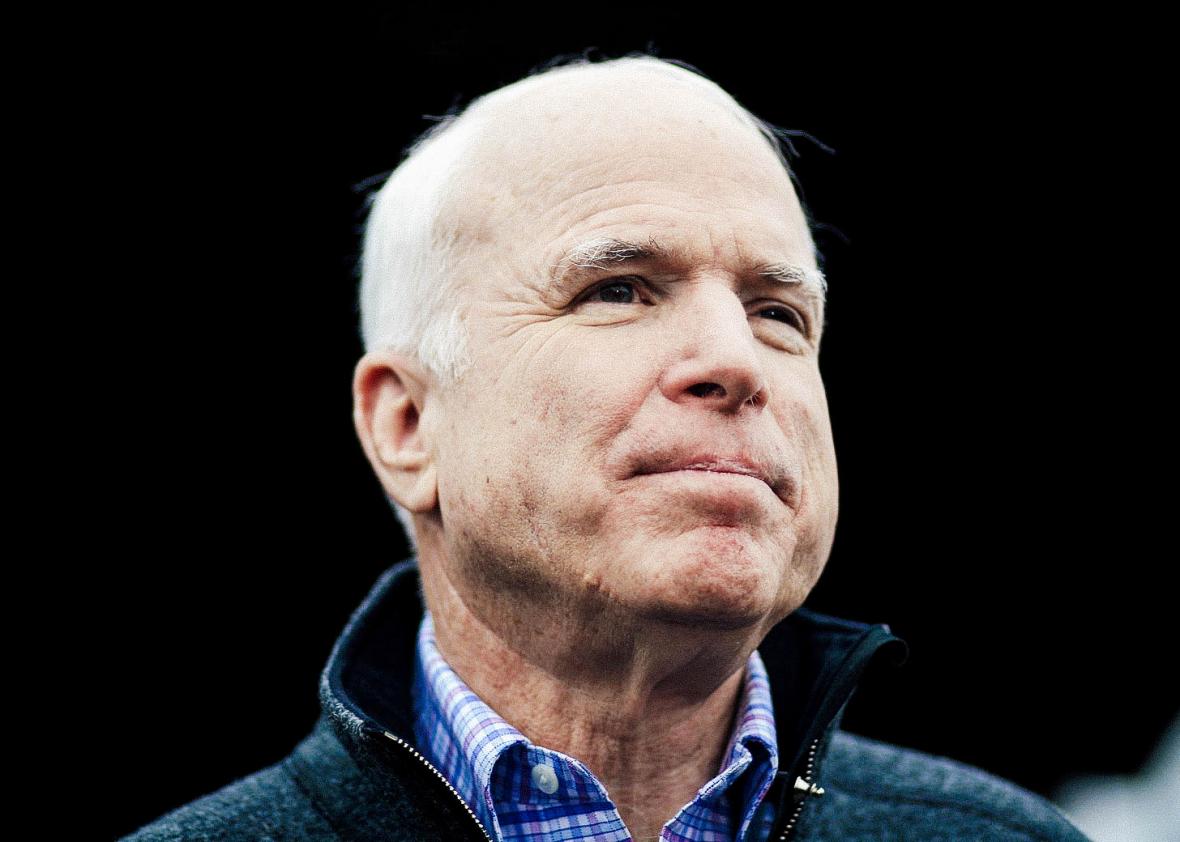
358,775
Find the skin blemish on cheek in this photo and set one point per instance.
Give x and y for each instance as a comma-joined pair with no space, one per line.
592,580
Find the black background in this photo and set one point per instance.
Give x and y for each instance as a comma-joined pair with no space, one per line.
993,360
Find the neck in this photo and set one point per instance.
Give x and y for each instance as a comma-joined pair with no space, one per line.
648,707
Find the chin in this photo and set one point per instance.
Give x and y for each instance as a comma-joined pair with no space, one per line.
687,616
721,579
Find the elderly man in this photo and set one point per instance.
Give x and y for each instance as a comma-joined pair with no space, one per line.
592,313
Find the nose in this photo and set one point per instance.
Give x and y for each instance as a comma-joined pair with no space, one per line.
716,363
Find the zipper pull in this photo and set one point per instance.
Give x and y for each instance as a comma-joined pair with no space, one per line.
802,787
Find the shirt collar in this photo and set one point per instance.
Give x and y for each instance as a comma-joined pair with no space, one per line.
465,738
815,662
455,729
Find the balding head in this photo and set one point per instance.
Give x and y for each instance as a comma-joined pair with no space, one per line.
591,124
425,211
431,218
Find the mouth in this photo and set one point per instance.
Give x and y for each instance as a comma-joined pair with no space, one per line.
716,468
778,481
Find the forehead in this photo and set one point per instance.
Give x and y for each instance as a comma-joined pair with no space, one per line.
628,155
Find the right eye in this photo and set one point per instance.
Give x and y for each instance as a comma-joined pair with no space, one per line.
614,291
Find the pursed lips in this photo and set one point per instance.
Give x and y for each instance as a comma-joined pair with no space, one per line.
720,466
781,481
717,469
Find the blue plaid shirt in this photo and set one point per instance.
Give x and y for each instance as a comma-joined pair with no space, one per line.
521,791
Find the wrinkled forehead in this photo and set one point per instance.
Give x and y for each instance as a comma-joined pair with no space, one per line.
552,149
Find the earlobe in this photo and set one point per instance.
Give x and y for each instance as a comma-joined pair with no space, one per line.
425,493
391,394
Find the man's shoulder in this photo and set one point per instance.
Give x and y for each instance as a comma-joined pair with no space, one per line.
264,805
873,785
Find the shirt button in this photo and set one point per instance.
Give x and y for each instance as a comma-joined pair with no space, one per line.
545,778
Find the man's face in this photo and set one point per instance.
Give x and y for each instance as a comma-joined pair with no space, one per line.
588,383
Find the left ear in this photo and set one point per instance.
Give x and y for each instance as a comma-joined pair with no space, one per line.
391,392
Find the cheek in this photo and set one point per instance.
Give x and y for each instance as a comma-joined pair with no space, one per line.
810,427
510,458
493,496
585,399
819,498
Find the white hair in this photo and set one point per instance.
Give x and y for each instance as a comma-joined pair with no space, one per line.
408,300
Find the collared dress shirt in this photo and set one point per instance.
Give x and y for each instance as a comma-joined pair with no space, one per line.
522,791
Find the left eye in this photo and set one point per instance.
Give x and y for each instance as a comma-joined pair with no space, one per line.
791,316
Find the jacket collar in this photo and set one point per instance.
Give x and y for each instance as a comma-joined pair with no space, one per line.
814,661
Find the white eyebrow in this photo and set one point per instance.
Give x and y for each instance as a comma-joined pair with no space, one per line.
603,252
606,251
812,280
